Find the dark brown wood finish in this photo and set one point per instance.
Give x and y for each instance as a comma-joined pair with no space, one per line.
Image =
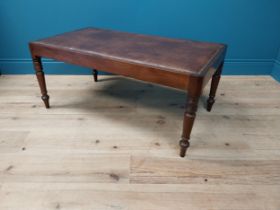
95,75
182,64
194,91
214,86
37,62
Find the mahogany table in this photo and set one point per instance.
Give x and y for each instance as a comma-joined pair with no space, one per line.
177,63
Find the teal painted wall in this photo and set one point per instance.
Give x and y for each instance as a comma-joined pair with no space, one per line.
276,69
250,28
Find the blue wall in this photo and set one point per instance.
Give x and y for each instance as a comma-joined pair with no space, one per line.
276,69
249,27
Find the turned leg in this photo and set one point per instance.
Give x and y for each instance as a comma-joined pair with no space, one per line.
194,92
189,117
41,79
95,74
214,85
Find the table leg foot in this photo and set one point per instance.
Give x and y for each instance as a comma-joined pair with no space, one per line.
41,80
95,75
184,144
45,99
210,103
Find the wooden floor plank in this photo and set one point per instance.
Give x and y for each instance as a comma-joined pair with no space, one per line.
171,170
27,166
138,197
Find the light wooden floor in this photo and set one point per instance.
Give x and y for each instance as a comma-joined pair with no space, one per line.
113,145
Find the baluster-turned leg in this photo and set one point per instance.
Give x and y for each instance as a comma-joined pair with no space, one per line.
95,74
214,85
41,79
194,92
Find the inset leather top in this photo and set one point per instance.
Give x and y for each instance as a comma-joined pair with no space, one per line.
176,55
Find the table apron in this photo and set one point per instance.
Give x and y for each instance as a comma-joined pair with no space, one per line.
135,71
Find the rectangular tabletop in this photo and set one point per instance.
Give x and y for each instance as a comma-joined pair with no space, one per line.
121,53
